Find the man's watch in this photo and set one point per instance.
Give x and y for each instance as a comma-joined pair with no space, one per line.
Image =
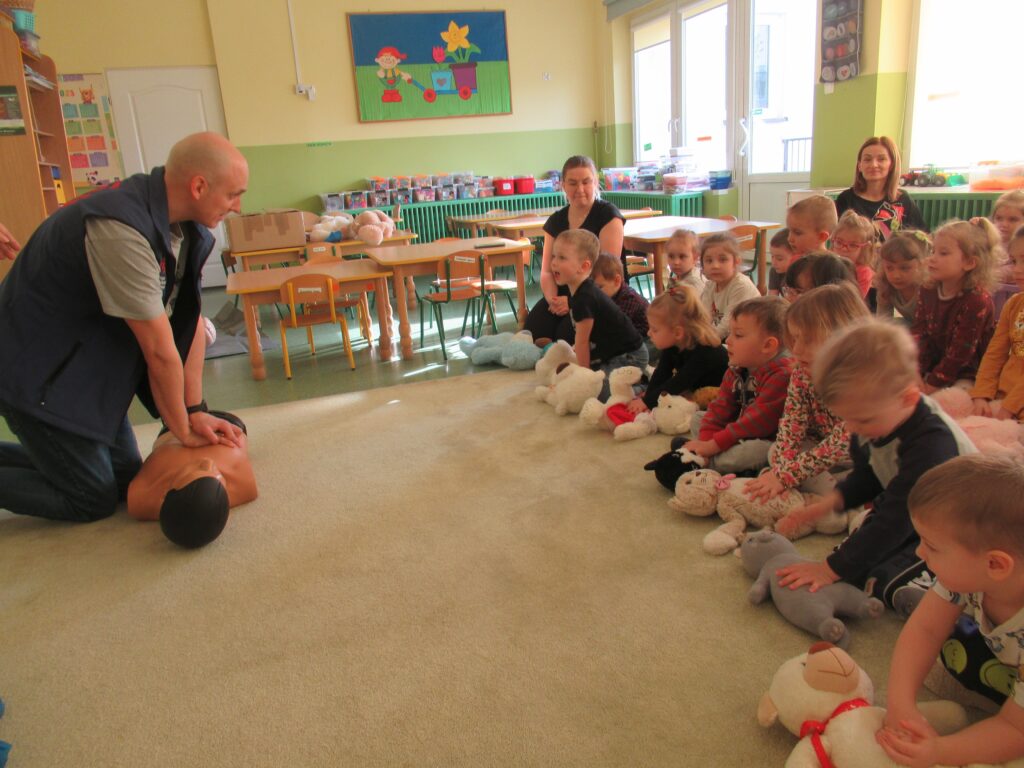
200,408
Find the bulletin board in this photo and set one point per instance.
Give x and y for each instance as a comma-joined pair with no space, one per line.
841,23
89,125
411,66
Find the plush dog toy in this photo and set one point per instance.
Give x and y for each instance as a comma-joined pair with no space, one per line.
571,387
827,700
764,552
555,357
727,496
372,227
512,350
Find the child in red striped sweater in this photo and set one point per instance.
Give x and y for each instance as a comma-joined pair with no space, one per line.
738,428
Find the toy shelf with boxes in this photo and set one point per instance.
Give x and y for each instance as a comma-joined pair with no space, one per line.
669,203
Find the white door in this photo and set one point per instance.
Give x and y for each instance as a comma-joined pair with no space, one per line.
154,108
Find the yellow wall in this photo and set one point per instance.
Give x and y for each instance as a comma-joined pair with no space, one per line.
96,35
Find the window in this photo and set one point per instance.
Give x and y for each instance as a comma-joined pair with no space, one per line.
965,106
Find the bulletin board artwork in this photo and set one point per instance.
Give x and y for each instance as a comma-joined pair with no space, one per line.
414,66
89,125
840,40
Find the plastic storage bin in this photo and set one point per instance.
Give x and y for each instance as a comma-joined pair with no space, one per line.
504,187
525,185
618,179
719,179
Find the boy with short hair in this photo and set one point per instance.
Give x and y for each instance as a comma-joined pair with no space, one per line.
605,338
607,274
737,430
967,513
782,256
810,223
866,374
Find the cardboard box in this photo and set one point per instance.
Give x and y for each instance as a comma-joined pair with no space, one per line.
265,231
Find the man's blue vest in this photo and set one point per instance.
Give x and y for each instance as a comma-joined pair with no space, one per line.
62,360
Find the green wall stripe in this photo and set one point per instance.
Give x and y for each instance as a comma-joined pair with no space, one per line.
293,175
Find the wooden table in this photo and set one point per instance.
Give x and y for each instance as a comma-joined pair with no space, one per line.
651,235
423,259
477,222
533,226
264,287
251,259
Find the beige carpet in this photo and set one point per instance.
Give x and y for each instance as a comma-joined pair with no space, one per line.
443,573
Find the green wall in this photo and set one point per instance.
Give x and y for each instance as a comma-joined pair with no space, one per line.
293,175
869,105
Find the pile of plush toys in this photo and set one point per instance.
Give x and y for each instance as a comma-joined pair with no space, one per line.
372,227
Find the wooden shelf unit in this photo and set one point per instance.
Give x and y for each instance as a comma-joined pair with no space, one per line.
27,161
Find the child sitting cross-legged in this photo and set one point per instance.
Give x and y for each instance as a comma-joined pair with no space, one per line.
726,285
692,355
866,375
737,429
812,445
967,514
605,338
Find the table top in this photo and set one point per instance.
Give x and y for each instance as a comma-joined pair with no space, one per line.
532,222
470,219
660,228
399,236
420,253
272,279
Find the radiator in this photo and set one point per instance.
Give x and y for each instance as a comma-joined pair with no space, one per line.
939,210
681,204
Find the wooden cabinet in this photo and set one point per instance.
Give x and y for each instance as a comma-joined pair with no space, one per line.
28,161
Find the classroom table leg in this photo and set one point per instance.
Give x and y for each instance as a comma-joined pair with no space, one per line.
762,262
659,267
404,330
252,333
383,318
410,292
521,265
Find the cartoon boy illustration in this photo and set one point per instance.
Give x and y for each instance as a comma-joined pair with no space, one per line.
388,58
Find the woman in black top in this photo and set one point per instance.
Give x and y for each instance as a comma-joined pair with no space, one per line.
549,319
876,192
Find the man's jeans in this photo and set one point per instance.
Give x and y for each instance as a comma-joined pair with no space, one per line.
61,476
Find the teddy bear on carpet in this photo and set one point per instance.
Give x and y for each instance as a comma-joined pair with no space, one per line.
555,357
512,350
672,416
570,388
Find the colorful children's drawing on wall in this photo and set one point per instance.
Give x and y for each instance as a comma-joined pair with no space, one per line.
89,125
410,40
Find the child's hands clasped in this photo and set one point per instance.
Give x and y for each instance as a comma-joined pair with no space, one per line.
764,488
558,305
637,405
705,448
817,575
909,741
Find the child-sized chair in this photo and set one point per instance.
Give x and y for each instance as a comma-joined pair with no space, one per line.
749,238
459,278
319,306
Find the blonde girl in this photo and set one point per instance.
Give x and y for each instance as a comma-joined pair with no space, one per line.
999,389
812,443
726,285
692,355
1007,216
854,238
901,272
682,252
955,317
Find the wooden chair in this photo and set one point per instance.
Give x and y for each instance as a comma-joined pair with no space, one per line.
455,276
492,287
319,306
345,302
749,238
641,267
728,217
229,263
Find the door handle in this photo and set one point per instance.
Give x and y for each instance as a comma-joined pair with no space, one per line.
746,137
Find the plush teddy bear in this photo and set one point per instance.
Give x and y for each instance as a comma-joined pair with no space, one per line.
513,350
764,552
570,388
727,495
992,436
671,416
704,395
557,355
826,699
620,386
330,228
372,227
669,467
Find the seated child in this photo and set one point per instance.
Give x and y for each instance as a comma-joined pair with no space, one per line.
605,338
854,239
814,270
193,486
866,374
607,274
692,355
782,256
735,432
1007,215
954,320
726,285
967,514
812,444
810,223
999,388
898,281
682,252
